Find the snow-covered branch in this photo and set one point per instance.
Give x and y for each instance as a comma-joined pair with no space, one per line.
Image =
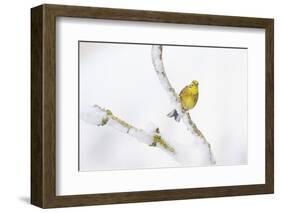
164,81
156,53
195,151
186,154
101,117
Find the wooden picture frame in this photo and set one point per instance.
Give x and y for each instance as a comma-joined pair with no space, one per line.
43,105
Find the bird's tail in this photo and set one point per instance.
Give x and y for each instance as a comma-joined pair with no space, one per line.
174,114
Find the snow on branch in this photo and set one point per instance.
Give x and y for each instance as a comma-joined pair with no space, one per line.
156,53
164,81
195,151
185,154
101,117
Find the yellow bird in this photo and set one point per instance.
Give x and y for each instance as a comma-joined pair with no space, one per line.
188,97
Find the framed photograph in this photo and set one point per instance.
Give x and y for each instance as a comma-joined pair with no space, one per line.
136,106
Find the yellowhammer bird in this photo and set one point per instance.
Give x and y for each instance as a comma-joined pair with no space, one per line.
188,98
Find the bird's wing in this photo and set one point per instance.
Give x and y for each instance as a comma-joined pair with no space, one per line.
196,98
184,91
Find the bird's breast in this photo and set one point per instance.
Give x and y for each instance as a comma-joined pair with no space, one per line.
188,101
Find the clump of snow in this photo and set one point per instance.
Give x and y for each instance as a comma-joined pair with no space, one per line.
193,153
186,121
116,125
190,152
94,115
150,128
141,136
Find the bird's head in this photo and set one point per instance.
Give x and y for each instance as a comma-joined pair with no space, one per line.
195,83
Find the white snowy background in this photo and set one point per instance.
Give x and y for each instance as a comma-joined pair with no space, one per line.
121,77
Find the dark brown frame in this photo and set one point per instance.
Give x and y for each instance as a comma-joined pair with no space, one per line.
43,105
